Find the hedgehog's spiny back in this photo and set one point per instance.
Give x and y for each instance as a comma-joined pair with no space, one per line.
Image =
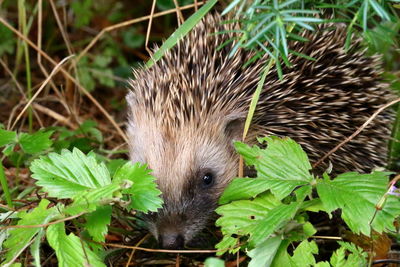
194,80
318,103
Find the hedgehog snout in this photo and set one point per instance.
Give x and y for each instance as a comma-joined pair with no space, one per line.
171,239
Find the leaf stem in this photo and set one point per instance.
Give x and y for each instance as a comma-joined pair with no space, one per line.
4,185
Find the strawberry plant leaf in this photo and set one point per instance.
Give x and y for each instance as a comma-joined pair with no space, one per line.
244,188
144,193
7,137
214,262
264,253
304,253
283,164
356,195
70,248
36,142
20,238
65,175
385,217
97,223
90,200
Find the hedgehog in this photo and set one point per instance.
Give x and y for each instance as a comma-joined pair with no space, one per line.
185,112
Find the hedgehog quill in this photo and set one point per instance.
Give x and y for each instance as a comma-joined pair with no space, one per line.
186,111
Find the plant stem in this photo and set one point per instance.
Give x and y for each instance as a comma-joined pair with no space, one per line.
4,185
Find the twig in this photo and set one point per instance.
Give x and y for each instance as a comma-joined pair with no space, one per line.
53,72
179,15
133,250
66,73
127,23
156,250
44,224
149,27
58,117
359,130
4,65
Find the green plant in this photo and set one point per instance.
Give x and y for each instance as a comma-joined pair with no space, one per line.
93,194
268,214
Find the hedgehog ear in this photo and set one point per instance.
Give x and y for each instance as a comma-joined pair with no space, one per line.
234,126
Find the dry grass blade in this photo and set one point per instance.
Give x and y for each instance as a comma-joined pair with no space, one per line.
127,23
149,27
69,76
54,71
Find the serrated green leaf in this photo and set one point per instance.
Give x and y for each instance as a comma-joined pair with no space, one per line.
385,217
70,249
356,194
20,237
348,255
7,137
90,200
243,188
97,223
144,193
258,218
283,164
239,215
304,253
69,173
264,253
227,243
273,221
35,143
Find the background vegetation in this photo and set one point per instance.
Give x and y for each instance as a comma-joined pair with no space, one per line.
65,114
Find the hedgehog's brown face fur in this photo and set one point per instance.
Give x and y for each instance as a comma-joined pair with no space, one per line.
192,166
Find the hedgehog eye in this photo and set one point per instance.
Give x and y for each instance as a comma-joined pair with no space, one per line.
208,179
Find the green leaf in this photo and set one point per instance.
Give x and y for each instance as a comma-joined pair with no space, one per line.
7,137
83,12
258,218
35,247
243,188
304,253
85,78
104,76
20,238
143,193
264,253
114,164
70,249
132,38
227,243
97,223
35,143
181,31
69,173
356,194
348,255
90,200
283,164
7,40
214,262
274,219
385,217
239,215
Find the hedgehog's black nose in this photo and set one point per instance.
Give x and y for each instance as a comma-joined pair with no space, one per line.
171,241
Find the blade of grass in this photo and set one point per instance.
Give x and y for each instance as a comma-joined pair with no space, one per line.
181,32
4,185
